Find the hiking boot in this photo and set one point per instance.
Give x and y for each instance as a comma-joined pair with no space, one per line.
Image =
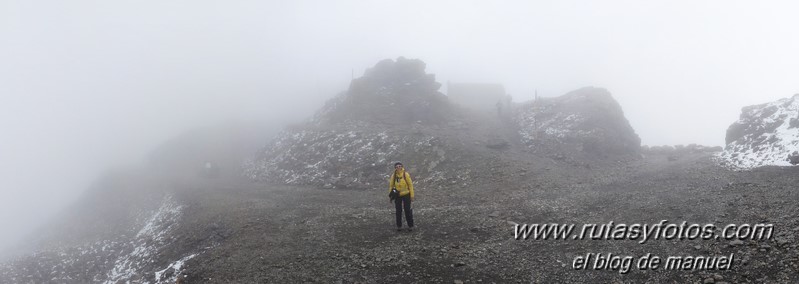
410,229
399,229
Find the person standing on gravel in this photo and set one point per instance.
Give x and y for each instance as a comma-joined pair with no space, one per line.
401,180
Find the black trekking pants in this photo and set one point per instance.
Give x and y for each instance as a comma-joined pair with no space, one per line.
400,203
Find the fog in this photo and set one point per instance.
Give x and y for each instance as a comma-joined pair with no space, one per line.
88,85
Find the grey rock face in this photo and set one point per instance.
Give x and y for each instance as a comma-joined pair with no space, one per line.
395,113
385,116
356,157
765,134
391,93
586,121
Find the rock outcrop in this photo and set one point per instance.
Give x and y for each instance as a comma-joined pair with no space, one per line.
585,123
390,93
395,113
765,134
386,116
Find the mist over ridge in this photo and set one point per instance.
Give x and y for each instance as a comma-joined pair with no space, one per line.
300,95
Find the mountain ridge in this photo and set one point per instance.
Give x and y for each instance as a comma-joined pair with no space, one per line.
311,206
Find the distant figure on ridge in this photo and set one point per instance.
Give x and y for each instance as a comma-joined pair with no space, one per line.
401,192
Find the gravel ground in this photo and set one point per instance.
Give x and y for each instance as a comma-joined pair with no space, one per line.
242,232
280,234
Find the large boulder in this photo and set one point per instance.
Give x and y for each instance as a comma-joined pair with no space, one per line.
765,134
585,123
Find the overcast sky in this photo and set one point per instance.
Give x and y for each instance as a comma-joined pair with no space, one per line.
85,85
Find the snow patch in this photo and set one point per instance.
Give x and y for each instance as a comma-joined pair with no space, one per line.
148,241
764,146
161,276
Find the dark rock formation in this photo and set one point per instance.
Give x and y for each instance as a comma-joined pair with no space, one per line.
354,139
394,112
392,93
585,122
765,134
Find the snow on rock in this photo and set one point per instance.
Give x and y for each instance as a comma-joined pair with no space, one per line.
387,115
356,158
124,259
585,121
146,244
172,271
765,135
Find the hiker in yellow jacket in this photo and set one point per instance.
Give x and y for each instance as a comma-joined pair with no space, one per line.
401,180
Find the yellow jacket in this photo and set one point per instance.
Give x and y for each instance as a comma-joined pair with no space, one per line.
403,184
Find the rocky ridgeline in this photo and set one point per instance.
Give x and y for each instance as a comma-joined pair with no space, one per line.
765,134
584,123
395,113
390,114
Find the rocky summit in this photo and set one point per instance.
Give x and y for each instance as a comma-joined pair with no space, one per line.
587,122
393,92
764,135
395,113
390,114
